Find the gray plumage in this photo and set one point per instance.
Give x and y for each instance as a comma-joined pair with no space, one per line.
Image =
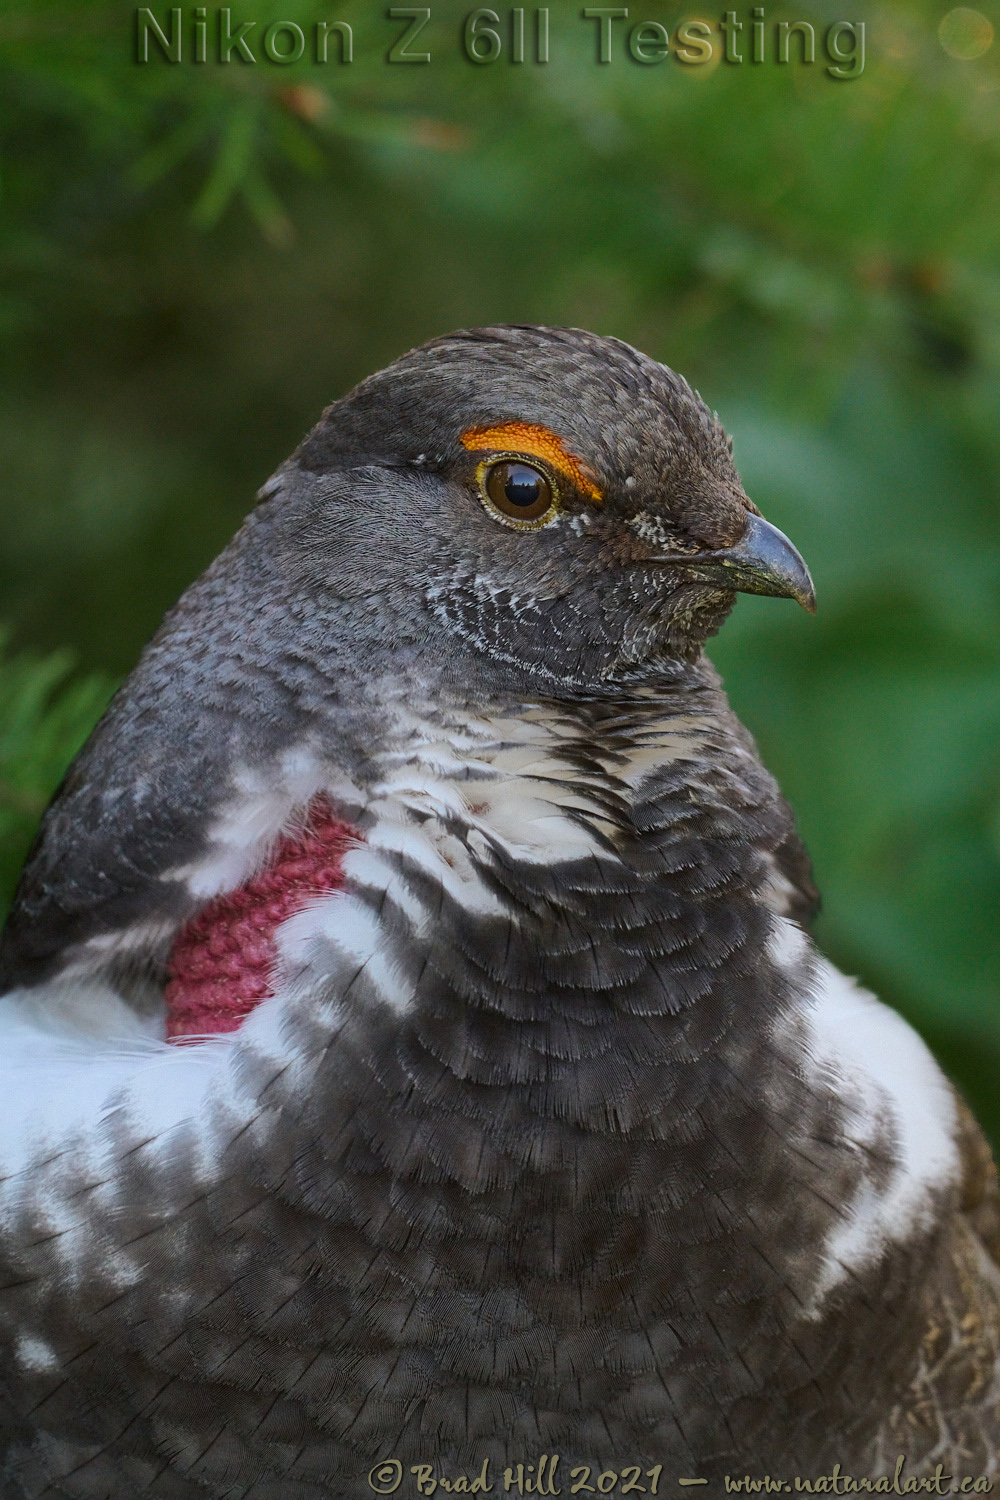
556,1136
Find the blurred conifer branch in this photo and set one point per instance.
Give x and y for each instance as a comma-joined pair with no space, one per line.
240,128
45,716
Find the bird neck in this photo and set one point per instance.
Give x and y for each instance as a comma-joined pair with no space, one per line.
557,927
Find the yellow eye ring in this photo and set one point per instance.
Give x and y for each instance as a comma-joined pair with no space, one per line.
517,492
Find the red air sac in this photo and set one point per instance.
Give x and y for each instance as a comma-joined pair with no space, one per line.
222,962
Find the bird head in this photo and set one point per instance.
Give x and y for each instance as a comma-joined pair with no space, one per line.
555,503
502,515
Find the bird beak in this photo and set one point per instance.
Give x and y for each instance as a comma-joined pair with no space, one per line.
763,561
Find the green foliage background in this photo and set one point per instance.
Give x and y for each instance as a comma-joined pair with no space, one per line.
194,259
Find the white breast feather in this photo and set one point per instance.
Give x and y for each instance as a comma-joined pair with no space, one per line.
885,1076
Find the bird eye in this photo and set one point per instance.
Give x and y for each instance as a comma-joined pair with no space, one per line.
520,493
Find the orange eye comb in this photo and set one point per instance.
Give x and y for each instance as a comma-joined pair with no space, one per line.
531,438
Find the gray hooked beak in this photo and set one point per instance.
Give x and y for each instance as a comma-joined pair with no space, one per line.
762,562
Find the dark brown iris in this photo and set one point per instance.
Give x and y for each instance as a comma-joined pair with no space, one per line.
518,491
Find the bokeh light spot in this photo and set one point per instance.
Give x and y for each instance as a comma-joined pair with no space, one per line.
965,34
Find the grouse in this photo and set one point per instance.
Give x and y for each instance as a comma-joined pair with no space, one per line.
417,1075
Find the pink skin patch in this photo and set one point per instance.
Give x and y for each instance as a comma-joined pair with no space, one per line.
222,962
